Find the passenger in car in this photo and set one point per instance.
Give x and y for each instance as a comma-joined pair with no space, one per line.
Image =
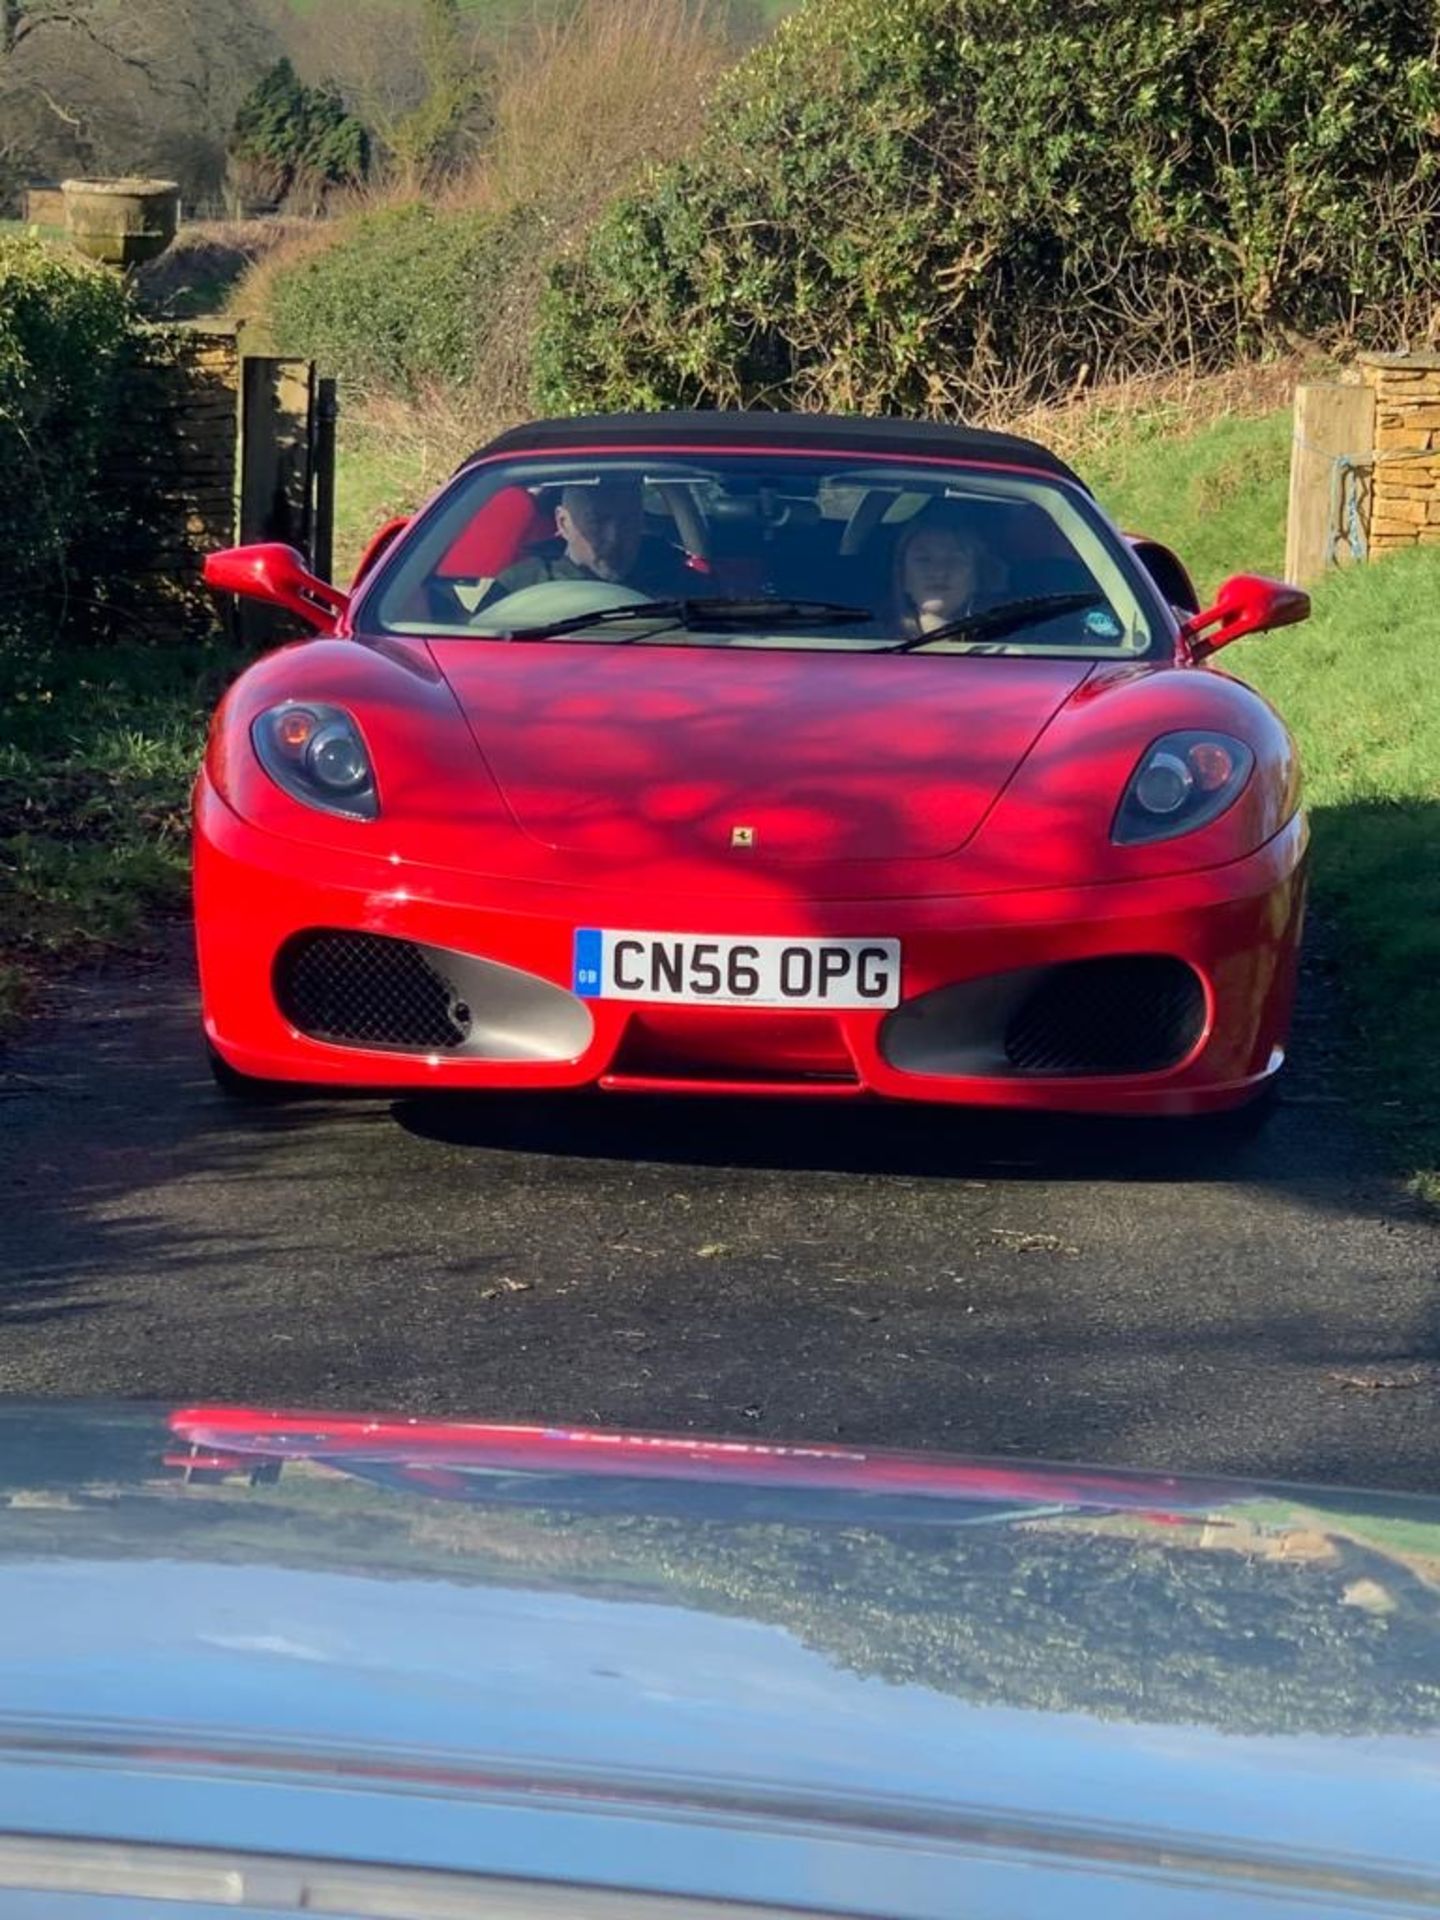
600,535
943,569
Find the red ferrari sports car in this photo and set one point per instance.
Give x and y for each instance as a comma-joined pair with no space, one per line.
748,753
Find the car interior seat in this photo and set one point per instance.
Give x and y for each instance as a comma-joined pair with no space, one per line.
737,549
507,525
1168,572
806,559
505,528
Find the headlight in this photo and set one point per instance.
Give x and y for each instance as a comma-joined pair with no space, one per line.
317,755
1185,781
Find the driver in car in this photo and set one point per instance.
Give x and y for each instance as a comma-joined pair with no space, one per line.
600,535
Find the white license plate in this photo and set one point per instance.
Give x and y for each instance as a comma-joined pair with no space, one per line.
763,972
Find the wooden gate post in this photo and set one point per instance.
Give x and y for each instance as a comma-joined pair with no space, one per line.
322,477
1334,422
277,398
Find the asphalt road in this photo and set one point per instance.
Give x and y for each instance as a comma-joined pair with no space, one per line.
1074,1291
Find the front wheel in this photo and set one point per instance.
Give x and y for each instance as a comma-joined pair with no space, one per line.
1239,1124
244,1088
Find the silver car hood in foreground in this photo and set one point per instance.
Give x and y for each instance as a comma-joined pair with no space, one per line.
274,1662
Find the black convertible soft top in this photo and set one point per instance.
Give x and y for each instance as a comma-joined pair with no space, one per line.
785,432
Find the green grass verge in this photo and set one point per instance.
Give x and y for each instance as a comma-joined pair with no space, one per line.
1402,1539
98,749
39,229
1219,498
97,753
513,12
374,481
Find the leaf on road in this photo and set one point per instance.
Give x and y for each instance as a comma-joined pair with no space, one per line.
1372,1381
1369,1596
1021,1242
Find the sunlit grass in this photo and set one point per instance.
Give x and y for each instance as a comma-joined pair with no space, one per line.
1218,497
389,461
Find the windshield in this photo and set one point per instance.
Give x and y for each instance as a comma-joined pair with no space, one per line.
785,551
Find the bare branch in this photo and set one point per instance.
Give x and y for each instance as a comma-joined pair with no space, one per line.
60,113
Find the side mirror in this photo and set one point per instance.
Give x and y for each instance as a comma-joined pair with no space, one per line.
1247,603
380,543
278,575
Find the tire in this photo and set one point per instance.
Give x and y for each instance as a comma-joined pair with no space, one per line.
1240,1124
243,1088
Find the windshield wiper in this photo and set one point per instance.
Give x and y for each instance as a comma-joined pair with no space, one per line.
1010,617
696,615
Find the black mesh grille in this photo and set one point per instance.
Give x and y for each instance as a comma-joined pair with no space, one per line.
1136,1014
364,990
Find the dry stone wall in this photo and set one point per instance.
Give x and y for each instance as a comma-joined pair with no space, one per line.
1404,502
173,472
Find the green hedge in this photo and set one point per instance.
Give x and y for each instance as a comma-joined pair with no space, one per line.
64,331
937,206
402,300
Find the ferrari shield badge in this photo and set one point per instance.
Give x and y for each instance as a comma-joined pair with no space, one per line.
742,836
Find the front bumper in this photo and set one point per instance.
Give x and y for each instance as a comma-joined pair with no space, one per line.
1237,927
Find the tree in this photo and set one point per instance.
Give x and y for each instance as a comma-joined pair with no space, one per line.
419,76
964,207
428,141
291,141
126,86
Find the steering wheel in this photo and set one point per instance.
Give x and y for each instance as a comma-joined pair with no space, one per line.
548,600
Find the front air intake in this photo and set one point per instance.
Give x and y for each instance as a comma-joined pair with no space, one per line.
1137,1013
367,990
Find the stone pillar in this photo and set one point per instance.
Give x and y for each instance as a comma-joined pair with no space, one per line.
175,467
173,472
1405,496
44,207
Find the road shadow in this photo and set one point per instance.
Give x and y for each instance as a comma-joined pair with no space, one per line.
107,1109
856,1136
916,1276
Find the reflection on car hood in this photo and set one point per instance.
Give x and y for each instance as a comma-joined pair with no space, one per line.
641,753
815,1677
